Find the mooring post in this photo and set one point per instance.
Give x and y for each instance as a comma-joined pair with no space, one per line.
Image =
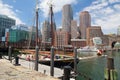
52,62
67,71
111,73
75,60
110,66
0,56
9,53
36,58
16,61
110,63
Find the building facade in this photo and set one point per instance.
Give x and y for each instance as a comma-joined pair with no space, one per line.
46,32
118,31
67,16
61,39
74,29
112,38
5,22
22,36
85,21
78,43
93,31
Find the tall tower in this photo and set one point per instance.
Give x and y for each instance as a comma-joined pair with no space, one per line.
74,29
67,16
46,32
85,21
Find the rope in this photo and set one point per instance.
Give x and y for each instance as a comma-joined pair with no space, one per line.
30,33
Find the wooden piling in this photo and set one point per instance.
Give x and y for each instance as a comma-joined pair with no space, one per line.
75,60
110,63
16,61
67,71
52,62
0,56
110,72
9,53
36,58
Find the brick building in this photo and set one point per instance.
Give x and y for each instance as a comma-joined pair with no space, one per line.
61,38
91,32
78,42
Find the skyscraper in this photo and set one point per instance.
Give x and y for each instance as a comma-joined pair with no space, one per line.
46,32
67,16
74,29
85,21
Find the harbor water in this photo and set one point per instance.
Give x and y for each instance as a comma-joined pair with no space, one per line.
93,68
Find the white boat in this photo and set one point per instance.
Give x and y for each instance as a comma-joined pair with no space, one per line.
96,48
88,49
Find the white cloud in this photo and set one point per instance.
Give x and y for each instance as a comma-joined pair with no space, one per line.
14,1
117,6
58,4
105,13
59,27
6,9
96,6
113,1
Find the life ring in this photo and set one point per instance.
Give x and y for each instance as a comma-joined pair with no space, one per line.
99,52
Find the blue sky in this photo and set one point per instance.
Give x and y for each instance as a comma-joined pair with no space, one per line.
104,13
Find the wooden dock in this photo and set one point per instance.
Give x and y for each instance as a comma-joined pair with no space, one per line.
42,68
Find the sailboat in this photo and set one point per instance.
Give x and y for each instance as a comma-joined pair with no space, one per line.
46,58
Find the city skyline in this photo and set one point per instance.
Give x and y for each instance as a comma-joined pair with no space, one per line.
104,13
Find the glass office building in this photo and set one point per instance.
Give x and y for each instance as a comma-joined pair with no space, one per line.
5,22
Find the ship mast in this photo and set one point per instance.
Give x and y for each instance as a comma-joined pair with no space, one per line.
37,25
51,22
37,48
